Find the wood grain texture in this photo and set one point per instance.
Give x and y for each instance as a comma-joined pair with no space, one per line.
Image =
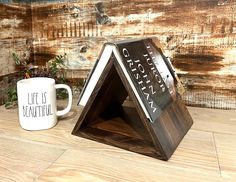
203,121
105,119
198,36
15,34
225,144
205,154
86,167
188,159
15,37
24,160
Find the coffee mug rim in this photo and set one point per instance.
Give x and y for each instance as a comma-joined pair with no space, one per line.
37,79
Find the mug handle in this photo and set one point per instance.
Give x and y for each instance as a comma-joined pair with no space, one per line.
67,109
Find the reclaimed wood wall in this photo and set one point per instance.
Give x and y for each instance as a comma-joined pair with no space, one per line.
15,34
198,36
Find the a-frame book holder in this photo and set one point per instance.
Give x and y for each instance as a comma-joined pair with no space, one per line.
131,101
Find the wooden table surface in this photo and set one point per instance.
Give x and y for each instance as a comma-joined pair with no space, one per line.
207,153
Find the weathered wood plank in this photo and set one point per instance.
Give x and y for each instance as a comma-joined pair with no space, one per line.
15,34
198,36
205,154
209,122
24,161
92,163
225,147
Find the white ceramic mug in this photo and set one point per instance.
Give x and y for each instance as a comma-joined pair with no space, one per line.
37,103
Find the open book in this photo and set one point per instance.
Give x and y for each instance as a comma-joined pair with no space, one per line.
148,72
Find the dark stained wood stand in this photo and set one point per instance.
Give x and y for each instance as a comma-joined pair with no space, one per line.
109,117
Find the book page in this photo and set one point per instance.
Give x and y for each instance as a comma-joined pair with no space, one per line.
95,75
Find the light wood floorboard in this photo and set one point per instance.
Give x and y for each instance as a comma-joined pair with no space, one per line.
24,161
207,153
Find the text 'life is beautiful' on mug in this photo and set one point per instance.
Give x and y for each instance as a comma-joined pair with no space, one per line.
37,103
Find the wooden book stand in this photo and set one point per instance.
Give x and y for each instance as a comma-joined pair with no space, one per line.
113,115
